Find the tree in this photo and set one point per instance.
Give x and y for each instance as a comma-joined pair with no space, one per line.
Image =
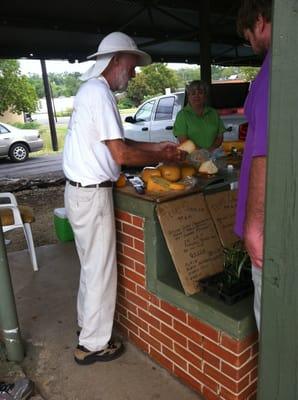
245,73
185,75
137,89
64,84
158,77
151,81
248,73
16,92
71,83
37,83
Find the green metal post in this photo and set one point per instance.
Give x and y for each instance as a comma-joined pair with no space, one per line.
278,363
8,314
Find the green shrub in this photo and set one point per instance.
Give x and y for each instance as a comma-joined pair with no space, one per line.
27,125
64,113
125,103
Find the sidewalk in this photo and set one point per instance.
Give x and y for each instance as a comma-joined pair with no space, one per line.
46,302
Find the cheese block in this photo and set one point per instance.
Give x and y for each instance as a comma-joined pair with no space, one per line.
170,172
149,171
157,184
187,170
177,186
208,167
187,146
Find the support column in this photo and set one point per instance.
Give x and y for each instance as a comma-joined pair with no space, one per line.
278,377
205,43
49,105
8,313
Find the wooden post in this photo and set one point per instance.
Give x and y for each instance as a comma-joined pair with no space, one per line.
49,105
278,372
205,53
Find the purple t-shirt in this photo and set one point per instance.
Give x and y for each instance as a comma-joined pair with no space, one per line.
256,112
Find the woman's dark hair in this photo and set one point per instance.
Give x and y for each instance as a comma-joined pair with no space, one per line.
249,11
197,84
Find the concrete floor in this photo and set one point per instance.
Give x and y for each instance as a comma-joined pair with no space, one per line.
46,303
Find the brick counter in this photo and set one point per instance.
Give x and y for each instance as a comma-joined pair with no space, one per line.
210,359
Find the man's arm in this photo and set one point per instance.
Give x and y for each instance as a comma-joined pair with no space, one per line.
131,155
148,146
254,223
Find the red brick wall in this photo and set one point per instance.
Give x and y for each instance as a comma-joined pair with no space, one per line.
206,359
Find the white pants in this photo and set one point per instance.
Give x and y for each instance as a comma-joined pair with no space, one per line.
91,215
257,281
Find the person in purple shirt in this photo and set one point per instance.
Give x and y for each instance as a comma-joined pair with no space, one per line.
254,23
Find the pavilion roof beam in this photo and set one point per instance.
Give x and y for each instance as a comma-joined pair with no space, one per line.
131,19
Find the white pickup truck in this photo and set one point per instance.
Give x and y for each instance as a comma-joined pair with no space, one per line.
154,119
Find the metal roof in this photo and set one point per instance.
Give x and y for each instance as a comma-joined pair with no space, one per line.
168,30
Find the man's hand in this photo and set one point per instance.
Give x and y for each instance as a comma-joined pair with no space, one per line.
170,152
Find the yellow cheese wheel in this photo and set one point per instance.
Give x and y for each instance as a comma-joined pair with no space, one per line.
187,170
177,186
187,146
121,182
157,184
149,171
239,145
171,173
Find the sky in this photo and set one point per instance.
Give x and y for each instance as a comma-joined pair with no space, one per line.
33,66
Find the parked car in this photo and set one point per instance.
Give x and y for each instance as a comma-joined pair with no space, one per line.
154,119
17,143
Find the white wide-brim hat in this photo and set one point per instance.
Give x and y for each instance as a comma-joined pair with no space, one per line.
97,68
116,42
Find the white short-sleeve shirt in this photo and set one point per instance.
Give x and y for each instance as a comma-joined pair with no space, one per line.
95,119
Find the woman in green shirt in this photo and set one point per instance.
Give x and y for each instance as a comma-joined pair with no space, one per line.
198,122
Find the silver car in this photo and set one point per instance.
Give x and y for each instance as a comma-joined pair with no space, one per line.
17,143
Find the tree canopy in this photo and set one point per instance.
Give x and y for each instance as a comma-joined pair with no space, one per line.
16,92
151,81
64,84
20,93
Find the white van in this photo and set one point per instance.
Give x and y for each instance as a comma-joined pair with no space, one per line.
154,119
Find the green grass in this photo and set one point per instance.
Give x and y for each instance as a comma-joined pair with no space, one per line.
128,111
47,142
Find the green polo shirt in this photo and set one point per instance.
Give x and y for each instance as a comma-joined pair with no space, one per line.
202,130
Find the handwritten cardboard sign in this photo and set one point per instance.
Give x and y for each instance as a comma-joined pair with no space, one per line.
191,239
222,207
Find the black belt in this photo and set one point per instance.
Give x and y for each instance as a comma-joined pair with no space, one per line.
96,185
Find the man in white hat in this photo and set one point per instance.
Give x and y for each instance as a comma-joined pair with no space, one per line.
94,150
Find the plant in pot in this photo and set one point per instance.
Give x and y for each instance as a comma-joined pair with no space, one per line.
234,282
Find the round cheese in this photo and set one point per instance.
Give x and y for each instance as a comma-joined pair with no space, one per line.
149,171
170,172
121,182
187,170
